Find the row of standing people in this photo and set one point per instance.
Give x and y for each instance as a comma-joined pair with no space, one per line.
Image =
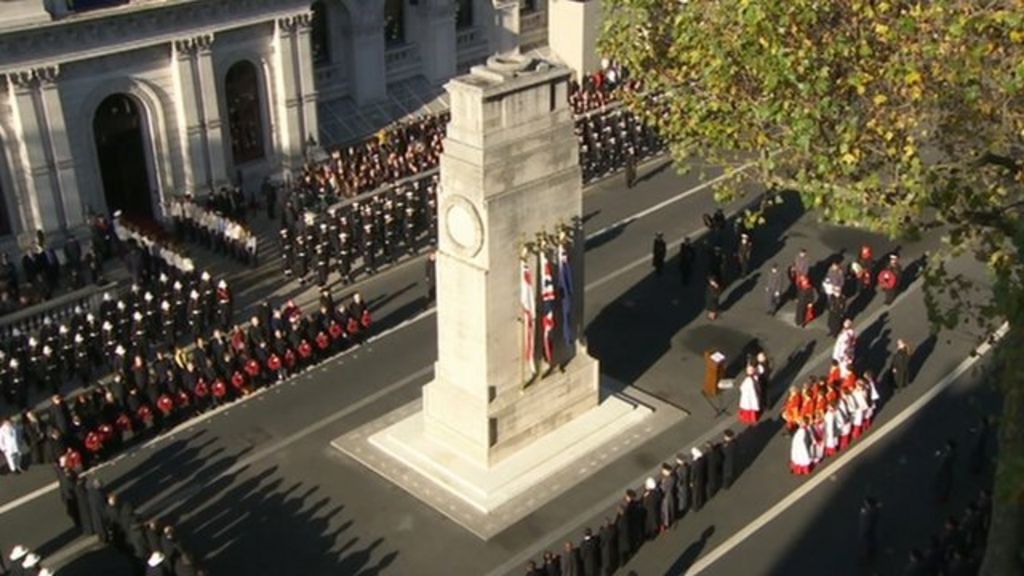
152,549
644,514
371,233
46,270
194,222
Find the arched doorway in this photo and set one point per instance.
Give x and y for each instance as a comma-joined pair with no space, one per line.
242,93
120,147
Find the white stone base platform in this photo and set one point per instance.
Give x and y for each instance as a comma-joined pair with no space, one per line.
487,501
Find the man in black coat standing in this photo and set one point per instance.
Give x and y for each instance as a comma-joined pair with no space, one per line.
713,455
609,547
590,554
66,481
900,366
658,252
698,475
682,470
686,256
728,459
84,512
97,510
571,560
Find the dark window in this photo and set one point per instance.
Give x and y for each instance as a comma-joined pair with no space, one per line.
5,218
319,36
464,14
394,22
527,5
242,93
118,130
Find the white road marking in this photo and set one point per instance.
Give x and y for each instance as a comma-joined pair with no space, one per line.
736,539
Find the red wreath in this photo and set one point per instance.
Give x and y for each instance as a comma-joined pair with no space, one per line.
353,326
145,413
335,330
252,368
165,404
305,350
93,442
182,399
289,358
202,389
123,423
219,388
238,380
274,363
72,459
106,432
322,341
366,320
887,279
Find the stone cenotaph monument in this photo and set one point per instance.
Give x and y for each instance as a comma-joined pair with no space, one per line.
494,428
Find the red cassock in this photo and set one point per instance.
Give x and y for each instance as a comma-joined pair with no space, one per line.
274,363
238,380
202,389
322,341
887,280
252,368
305,350
219,388
238,340
165,404
336,331
93,442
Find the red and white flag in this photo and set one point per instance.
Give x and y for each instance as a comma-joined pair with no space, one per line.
547,296
528,301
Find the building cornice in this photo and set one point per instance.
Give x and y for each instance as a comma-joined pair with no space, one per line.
134,27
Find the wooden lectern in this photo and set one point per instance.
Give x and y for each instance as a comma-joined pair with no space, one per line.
714,369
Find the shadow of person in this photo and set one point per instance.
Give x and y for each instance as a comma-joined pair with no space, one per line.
692,552
921,354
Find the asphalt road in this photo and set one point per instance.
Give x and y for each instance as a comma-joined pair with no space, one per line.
256,488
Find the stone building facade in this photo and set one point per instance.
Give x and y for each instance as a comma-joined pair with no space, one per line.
119,104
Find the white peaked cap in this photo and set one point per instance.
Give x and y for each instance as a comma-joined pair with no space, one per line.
695,452
31,560
650,483
18,552
155,559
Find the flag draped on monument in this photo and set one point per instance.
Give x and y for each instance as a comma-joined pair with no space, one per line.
528,300
547,296
565,284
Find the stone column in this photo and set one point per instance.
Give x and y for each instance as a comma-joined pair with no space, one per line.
437,43
68,200
209,105
370,74
505,31
288,85
307,78
33,160
191,120
573,28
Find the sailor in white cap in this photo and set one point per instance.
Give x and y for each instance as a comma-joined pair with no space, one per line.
155,565
30,567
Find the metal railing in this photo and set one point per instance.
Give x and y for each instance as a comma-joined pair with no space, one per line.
28,320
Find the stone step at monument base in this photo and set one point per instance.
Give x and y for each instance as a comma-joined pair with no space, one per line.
486,501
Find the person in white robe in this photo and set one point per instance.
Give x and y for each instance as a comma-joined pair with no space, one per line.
800,461
750,405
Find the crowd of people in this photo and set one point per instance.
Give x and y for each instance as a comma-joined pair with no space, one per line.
958,547
156,384
644,513
152,549
359,237
47,271
399,151
216,225
600,88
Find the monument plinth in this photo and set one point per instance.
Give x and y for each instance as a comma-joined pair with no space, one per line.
499,419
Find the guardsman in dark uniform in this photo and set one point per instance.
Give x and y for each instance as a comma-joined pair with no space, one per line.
658,252
207,294
82,362
323,264
195,314
301,258
178,300
630,167
369,249
409,230
744,253
287,253
345,258
225,310
167,334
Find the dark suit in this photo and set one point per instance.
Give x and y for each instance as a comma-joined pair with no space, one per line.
901,368
728,463
714,459
571,563
590,553
609,549
699,473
